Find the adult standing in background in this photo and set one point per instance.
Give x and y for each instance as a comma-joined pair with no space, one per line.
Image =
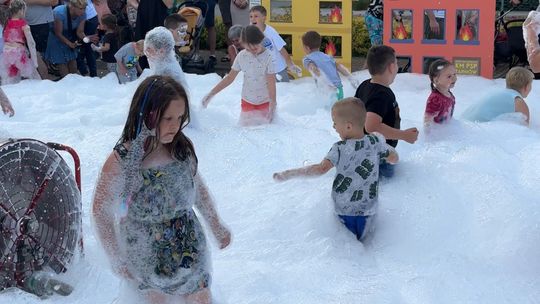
240,12
150,14
63,40
209,23
39,15
85,51
374,21
225,10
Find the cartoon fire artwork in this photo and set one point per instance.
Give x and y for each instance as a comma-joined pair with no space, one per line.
335,15
330,49
466,33
400,32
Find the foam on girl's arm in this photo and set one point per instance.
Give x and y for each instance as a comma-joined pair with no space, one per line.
205,204
103,208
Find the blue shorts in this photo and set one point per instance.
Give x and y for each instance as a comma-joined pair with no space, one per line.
361,226
209,19
386,169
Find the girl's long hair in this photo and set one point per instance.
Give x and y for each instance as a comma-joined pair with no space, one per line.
150,101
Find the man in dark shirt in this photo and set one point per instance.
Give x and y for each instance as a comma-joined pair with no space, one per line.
381,105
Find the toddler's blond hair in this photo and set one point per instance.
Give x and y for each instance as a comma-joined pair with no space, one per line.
352,110
518,78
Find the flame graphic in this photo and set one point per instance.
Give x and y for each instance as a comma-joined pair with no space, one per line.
400,32
335,15
330,49
466,33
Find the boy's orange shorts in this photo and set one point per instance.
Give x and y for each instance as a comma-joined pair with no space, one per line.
249,107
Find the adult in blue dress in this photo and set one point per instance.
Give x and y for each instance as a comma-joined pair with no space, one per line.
65,36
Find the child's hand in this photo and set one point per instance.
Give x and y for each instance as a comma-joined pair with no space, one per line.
280,176
93,38
206,100
94,47
410,135
296,70
223,236
7,108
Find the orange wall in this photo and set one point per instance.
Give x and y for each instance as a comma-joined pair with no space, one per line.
450,50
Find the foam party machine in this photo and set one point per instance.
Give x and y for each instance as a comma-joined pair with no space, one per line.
40,216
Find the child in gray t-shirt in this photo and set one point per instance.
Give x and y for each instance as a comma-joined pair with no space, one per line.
356,158
127,59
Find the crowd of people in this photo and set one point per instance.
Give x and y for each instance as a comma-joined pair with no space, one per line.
152,172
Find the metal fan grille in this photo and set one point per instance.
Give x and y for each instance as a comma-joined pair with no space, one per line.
40,211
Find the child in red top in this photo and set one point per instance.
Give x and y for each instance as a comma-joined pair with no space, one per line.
441,102
15,61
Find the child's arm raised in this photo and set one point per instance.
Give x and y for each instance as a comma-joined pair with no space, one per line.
205,204
225,82
31,44
313,170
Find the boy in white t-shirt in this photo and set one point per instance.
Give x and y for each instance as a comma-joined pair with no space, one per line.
259,87
274,43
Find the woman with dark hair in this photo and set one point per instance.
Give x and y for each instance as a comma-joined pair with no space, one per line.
147,188
65,36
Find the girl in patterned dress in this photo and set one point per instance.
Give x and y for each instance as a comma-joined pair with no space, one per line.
17,59
156,240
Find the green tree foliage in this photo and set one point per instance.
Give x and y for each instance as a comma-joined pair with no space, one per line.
360,37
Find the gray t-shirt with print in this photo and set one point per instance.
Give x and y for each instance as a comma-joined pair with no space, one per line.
355,187
127,55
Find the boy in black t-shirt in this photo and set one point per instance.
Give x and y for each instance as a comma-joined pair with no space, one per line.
381,105
109,43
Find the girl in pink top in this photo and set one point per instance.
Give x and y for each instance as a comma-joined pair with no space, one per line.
441,102
16,62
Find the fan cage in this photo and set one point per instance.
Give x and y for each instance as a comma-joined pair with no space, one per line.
40,211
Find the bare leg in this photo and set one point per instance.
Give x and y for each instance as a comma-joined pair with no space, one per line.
204,296
63,69
42,68
72,66
212,40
